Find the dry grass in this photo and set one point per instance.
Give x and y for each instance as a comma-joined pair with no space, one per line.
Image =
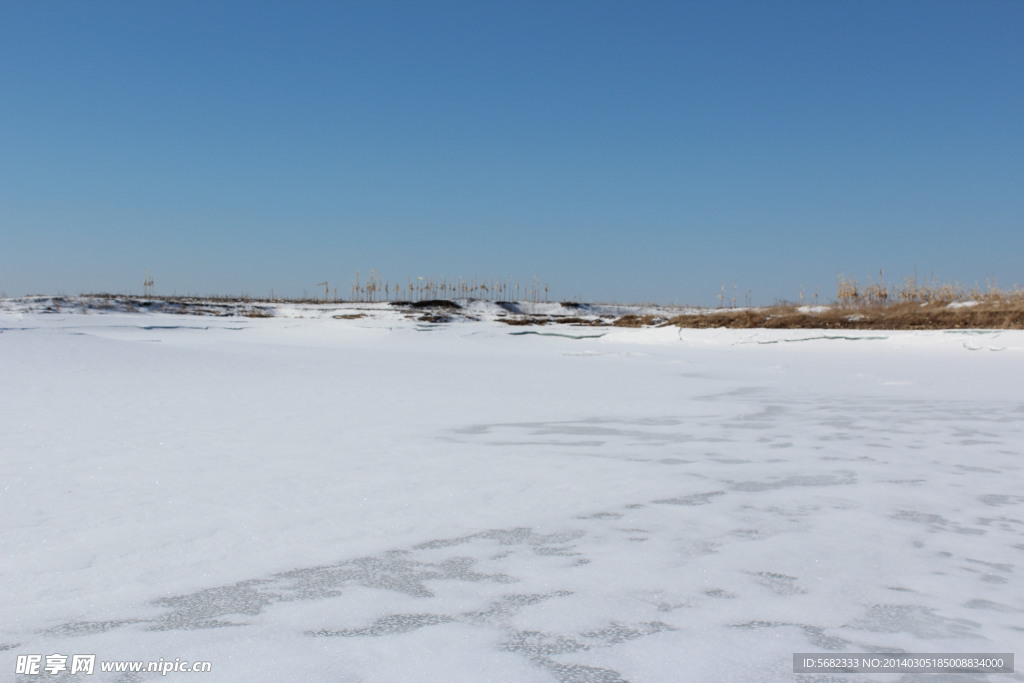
908,305
891,317
851,294
638,321
258,313
575,320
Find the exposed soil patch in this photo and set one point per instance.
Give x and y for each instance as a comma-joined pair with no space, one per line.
575,320
524,321
436,303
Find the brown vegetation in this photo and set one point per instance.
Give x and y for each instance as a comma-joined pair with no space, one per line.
909,305
895,317
638,321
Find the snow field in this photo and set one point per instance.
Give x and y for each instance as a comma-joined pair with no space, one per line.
384,500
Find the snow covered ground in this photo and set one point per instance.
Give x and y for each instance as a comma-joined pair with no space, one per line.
306,498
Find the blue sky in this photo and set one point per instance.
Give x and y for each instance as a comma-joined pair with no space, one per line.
626,151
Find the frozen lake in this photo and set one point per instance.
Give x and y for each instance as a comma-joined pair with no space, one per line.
381,499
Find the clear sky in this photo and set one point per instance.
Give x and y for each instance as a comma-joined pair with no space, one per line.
626,151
